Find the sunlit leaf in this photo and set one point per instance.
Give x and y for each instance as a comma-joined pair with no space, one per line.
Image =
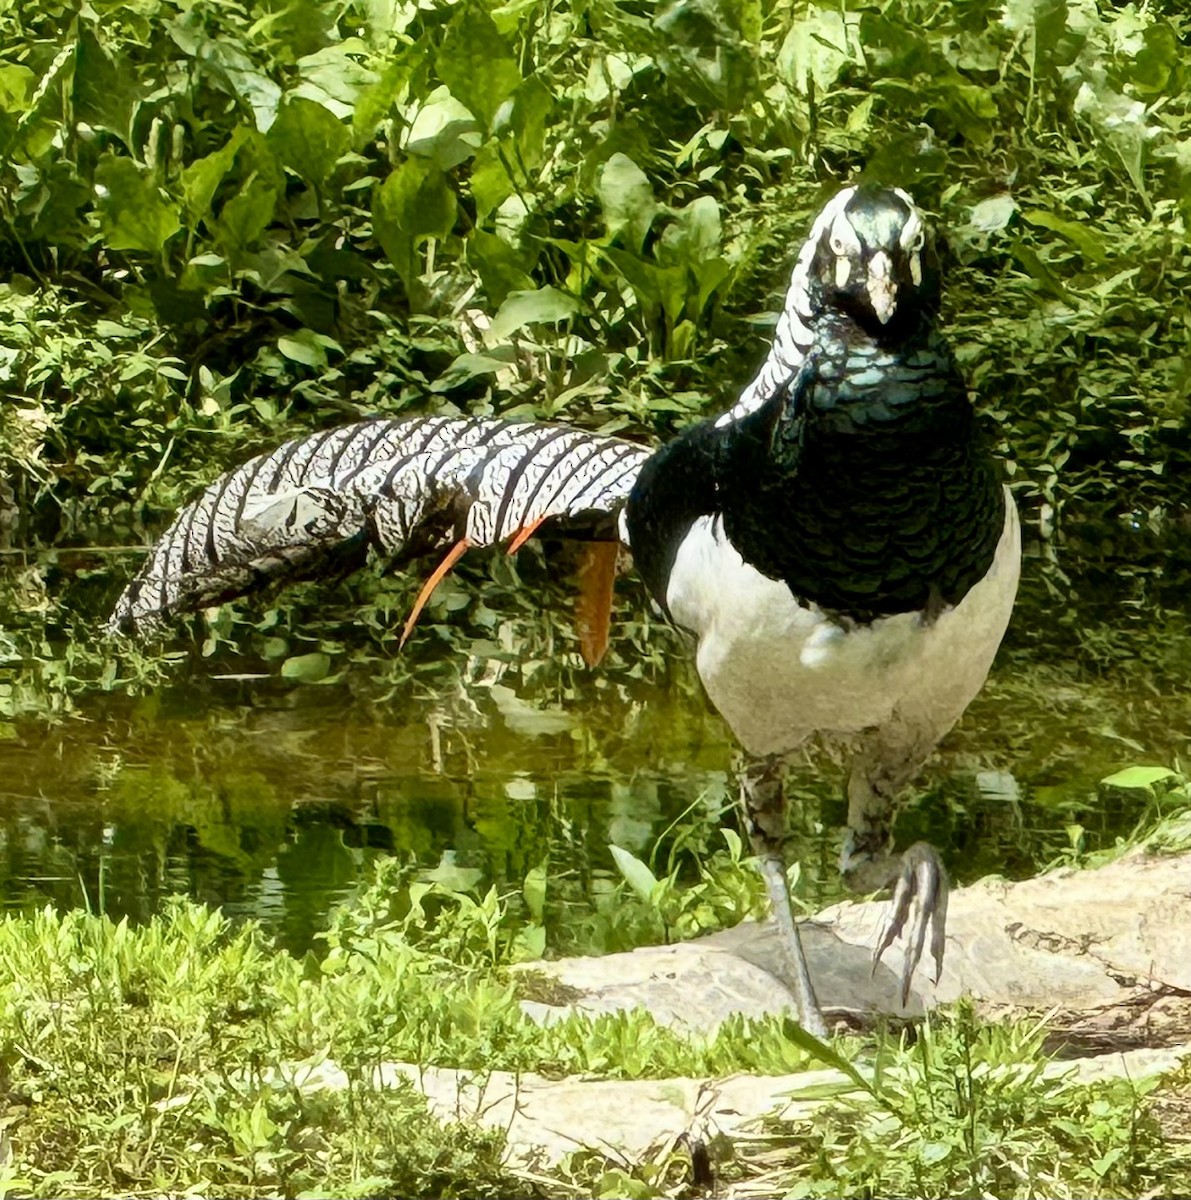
307,668
247,214
134,212
533,890
335,78
819,44
308,139
414,203
626,197
377,100
1138,778
546,304
993,214
201,179
636,874
476,64
1079,234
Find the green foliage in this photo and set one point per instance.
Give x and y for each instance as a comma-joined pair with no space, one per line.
225,223
170,1056
729,889
144,1059
963,1109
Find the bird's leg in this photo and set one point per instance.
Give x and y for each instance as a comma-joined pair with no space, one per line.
918,880
763,798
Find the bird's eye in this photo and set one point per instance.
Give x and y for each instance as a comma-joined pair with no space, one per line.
837,245
919,241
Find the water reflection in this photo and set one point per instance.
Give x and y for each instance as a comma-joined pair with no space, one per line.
272,800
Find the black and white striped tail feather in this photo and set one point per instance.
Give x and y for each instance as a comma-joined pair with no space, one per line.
403,486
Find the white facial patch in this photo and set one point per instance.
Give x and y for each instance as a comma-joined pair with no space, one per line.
882,287
843,237
912,239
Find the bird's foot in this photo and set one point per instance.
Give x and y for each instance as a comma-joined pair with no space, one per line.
919,904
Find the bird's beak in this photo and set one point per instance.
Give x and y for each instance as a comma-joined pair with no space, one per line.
882,287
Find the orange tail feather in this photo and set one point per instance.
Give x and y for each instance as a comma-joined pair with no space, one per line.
593,608
524,534
456,552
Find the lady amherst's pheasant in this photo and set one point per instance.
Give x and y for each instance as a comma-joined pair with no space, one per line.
838,542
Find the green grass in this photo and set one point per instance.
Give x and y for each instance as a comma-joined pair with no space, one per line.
139,1059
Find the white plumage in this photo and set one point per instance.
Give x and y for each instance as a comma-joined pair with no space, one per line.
780,671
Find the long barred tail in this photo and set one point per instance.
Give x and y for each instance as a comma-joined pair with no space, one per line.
402,486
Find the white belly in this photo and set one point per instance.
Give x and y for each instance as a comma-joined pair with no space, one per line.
779,672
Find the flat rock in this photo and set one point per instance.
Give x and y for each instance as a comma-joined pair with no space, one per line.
1103,953
1108,948
546,1119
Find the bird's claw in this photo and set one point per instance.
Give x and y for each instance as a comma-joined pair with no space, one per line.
919,898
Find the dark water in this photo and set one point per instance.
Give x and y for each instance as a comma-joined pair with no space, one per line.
272,798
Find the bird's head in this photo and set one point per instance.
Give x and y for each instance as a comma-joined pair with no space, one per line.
871,258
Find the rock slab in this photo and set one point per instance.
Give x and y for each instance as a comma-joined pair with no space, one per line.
1109,949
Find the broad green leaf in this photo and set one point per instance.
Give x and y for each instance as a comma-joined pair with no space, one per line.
298,27
499,266
745,18
133,212
658,289
610,73
247,214
528,308
377,101
818,46
530,944
693,240
626,197
202,178
1158,58
993,214
490,182
694,235
636,874
247,82
415,202
443,129
703,55
533,105
103,93
304,346
1138,778
308,668
1042,24
1038,270
1082,236
334,78
465,367
36,132
308,139
1123,124
475,62
452,877
56,206
16,87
